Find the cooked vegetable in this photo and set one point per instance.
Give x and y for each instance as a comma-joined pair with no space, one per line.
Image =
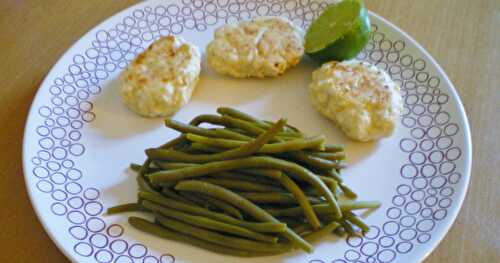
166,233
196,210
248,162
214,237
225,207
129,207
209,223
246,149
314,143
241,185
324,209
224,188
247,206
275,198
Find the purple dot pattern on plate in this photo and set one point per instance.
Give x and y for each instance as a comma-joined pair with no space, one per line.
429,145
416,206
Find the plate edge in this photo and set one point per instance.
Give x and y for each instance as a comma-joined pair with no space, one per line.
467,133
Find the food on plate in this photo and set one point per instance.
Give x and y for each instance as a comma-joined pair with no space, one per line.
161,79
339,33
357,96
244,187
262,47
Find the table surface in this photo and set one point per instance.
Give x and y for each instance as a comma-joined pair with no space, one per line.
462,35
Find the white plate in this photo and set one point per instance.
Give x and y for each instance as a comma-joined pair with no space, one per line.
80,138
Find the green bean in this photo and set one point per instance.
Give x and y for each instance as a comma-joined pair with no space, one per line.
135,167
163,185
245,150
215,142
247,117
151,228
331,183
274,198
171,166
331,148
247,206
347,191
280,147
338,156
196,200
291,222
241,175
301,198
290,127
324,209
227,121
171,194
240,185
311,191
174,142
349,205
240,131
348,228
324,231
205,148
143,184
144,167
129,207
187,150
186,128
214,237
287,135
334,175
314,161
270,173
240,115
227,208
232,175
230,134
249,162
249,128
293,188
208,223
259,227
302,228
340,231
351,217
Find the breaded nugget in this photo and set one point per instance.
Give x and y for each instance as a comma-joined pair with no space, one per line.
262,47
357,96
162,78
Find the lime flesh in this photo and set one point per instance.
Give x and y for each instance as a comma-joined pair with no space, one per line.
339,33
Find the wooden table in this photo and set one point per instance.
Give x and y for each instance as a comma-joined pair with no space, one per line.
463,35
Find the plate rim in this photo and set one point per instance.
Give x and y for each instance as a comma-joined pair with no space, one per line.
31,111
466,129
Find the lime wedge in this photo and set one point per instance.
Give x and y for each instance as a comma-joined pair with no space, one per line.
339,33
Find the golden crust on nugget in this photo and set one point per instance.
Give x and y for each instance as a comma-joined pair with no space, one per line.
263,47
357,96
162,78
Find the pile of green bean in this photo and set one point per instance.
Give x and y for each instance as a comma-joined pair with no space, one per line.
244,187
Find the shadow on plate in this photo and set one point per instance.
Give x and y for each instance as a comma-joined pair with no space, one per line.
114,119
124,189
219,90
